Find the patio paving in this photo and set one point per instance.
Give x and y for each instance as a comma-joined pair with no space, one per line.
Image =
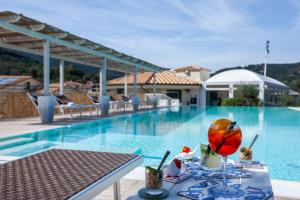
10,127
26,125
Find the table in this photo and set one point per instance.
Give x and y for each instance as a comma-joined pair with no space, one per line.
259,179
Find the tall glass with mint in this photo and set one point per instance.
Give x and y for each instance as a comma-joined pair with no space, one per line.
154,178
209,158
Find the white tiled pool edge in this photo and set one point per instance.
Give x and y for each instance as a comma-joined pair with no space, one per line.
295,108
287,189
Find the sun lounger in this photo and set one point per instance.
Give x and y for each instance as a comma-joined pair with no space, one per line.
65,103
65,174
125,99
34,100
94,99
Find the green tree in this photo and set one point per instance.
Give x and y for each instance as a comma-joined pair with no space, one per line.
248,93
295,84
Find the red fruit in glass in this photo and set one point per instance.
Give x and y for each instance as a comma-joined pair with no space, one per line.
224,142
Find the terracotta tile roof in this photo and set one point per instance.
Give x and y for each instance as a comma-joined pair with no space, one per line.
191,68
162,78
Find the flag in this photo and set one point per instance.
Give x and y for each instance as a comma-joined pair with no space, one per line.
267,46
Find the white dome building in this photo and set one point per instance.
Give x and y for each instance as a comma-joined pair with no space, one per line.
222,85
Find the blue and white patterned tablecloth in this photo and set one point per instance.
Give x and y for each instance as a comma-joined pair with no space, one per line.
199,173
258,186
204,190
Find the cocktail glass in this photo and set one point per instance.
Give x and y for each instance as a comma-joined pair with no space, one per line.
224,138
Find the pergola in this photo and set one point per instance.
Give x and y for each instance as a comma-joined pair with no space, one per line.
21,33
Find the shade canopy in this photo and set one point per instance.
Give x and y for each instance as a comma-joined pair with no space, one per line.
21,33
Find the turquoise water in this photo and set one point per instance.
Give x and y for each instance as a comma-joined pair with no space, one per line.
152,133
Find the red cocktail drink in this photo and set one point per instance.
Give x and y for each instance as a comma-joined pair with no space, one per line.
224,138
224,142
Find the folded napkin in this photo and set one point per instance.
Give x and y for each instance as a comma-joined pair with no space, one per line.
178,179
199,173
203,190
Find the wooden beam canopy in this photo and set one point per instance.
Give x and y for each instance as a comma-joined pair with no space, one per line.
21,32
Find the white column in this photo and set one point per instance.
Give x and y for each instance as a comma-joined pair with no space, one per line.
104,99
103,78
46,103
135,100
202,95
154,83
46,68
135,82
154,100
125,85
261,94
231,91
61,77
100,82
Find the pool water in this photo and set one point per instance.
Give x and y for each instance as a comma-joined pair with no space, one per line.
152,133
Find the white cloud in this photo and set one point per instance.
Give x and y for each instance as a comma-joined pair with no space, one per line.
169,32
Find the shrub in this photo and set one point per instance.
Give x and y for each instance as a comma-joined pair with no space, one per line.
286,100
254,102
232,102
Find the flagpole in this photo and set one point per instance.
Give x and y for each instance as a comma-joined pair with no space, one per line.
265,67
266,56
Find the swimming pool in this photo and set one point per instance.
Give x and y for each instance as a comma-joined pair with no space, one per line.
151,133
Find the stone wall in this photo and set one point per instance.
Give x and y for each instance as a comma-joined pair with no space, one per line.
17,105
79,98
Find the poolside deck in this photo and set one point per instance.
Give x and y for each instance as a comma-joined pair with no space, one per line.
18,126
128,188
295,108
27,125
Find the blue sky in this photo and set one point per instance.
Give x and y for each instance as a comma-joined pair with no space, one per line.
172,33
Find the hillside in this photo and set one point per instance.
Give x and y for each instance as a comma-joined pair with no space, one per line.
286,73
15,63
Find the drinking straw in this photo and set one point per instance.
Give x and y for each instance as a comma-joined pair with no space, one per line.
163,160
224,138
253,141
